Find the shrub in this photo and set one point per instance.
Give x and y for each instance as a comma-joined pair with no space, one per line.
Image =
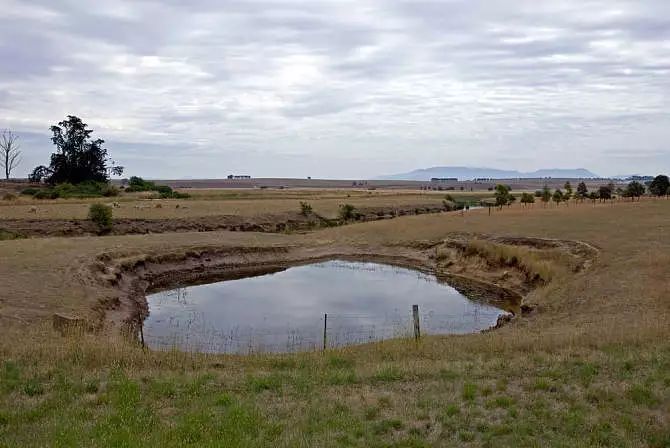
109,190
65,190
305,208
347,212
30,191
449,205
9,197
46,194
8,235
101,215
136,184
173,195
163,189
88,189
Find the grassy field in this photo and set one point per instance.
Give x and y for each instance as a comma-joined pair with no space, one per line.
214,202
590,367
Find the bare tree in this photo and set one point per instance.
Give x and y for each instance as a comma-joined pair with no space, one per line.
10,154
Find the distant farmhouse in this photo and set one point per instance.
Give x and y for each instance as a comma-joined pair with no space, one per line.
236,177
444,179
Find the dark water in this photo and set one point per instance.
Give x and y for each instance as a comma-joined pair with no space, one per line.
284,311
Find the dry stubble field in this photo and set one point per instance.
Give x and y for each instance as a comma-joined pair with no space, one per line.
588,366
214,202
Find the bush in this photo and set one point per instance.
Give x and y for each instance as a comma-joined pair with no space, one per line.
163,189
101,215
66,190
30,191
9,197
173,195
305,208
449,205
136,184
8,235
347,212
46,194
109,190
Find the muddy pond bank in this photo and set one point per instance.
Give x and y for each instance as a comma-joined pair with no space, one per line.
330,303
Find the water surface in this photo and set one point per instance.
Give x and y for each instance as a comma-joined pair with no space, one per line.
284,311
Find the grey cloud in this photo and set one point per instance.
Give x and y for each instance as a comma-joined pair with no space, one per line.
275,87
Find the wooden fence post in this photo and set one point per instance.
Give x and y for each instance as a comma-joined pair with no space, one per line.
325,328
417,328
142,335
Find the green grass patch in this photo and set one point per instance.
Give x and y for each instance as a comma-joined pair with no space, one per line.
642,395
469,392
388,374
257,384
339,362
386,426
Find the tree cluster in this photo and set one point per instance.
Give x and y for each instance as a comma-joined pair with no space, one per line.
78,157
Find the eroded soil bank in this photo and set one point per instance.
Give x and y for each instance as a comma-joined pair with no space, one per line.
281,222
464,261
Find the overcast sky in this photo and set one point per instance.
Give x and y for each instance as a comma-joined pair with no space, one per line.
203,88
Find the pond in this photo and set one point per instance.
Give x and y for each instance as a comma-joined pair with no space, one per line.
285,311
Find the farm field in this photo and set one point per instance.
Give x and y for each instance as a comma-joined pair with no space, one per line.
215,202
330,225
588,364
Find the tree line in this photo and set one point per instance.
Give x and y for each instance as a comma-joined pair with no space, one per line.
659,186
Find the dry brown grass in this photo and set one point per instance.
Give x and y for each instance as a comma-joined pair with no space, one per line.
222,202
533,264
589,368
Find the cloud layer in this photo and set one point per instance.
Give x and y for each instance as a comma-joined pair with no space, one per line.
343,89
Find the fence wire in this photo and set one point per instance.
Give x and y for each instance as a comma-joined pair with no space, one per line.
196,334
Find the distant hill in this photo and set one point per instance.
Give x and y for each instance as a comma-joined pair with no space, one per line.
466,173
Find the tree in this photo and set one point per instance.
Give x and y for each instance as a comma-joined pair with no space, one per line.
605,192
557,196
620,192
39,174
634,190
582,191
10,153
568,191
502,195
568,187
660,185
527,198
78,158
546,194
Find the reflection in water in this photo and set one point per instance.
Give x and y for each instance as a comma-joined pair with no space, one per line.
284,311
